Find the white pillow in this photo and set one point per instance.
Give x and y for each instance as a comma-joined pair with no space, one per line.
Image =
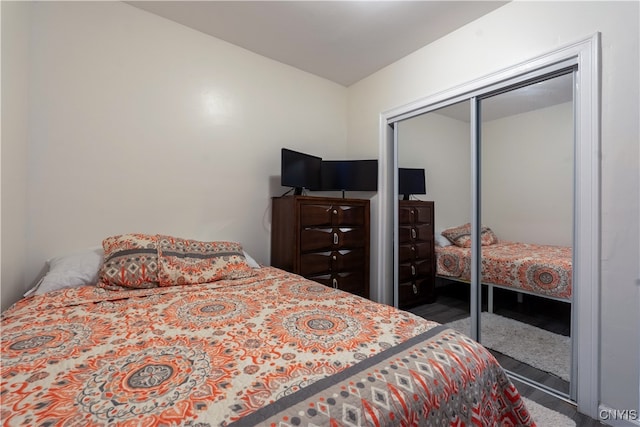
252,262
70,271
442,241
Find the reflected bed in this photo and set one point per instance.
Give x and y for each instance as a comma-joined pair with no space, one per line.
541,270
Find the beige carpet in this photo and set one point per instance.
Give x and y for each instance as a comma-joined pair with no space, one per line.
545,417
536,347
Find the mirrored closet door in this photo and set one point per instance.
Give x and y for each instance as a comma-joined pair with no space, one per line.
499,170
438,143
526,197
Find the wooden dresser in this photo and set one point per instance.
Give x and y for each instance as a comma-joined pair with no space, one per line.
417,261
323,239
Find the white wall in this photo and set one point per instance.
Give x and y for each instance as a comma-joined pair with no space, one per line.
511,34
138,124
15,88
527,176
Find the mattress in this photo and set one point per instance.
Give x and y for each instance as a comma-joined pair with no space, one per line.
273,349
539,269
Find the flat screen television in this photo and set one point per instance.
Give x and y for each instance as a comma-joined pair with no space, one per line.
411,181
349,175
300,171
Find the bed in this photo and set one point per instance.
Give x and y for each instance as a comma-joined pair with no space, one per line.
251,346
541,270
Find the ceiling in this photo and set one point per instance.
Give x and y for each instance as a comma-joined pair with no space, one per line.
346,41
342,41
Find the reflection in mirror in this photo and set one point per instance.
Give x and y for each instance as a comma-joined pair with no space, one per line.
438,142
527,204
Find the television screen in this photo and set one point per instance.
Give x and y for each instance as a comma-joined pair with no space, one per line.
411,181
300,170
350,175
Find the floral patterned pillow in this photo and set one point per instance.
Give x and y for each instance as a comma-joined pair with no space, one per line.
461,236
130,261
185,262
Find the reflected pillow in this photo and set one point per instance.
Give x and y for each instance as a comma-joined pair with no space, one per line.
442,241
461,236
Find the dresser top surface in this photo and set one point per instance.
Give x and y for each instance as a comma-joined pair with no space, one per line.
320,199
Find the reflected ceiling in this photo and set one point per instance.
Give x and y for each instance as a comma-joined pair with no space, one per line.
529,98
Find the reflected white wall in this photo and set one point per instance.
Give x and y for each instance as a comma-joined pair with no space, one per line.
441,146
527,176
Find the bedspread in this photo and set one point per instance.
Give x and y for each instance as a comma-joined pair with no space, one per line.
540,269
272,349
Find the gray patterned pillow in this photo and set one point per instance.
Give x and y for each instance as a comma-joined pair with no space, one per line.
130,261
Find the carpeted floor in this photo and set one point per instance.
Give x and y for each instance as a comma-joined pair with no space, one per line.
536,347
545,417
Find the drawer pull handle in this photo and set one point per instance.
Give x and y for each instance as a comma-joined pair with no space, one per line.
413,233
415,289
335,258
335,212
412,212
413,270
413,248
335,238
335,283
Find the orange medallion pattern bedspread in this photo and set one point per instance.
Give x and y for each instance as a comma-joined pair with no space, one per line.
540,269
274,349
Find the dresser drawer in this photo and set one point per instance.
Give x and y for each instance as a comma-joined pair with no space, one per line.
333,215
415,233
313,239
414,270
416,292
415,214
415,251
351,281
325,238
331,262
